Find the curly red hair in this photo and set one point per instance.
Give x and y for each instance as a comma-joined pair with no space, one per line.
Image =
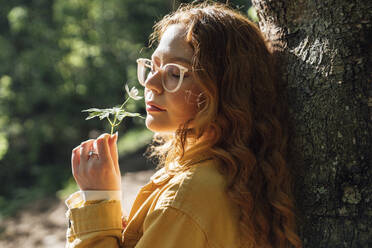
241,110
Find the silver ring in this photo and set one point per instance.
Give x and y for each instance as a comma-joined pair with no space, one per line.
91,153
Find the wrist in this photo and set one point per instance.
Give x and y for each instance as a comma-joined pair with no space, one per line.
98,195
87,197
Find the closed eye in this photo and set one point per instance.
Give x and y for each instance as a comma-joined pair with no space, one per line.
175,75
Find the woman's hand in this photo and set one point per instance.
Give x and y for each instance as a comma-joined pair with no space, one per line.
95,164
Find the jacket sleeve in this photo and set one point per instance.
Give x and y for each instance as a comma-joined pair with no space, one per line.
168,228
94,224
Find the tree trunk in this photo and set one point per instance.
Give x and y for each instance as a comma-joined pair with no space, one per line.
324,48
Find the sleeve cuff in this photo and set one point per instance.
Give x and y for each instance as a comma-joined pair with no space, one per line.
78,198
95,195
103,216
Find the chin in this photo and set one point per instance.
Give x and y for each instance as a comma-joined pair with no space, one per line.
158,127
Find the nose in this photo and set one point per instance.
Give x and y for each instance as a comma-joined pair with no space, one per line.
153,83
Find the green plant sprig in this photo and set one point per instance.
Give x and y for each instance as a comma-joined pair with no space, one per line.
118,113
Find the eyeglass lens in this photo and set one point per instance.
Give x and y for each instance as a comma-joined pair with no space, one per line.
171,75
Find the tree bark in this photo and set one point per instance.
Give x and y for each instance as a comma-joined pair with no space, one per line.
324,47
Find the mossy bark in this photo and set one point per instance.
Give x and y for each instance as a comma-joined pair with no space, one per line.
324,50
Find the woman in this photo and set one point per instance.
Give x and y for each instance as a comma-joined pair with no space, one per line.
211,99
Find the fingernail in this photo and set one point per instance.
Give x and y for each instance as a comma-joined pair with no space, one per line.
102,136
114,137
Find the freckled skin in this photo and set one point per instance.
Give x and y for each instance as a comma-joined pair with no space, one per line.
181,105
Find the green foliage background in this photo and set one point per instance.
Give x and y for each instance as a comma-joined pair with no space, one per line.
58,57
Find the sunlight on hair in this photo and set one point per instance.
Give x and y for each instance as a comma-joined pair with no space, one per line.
242,115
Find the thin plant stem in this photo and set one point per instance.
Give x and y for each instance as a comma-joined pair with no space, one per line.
109,120
113,124
124,103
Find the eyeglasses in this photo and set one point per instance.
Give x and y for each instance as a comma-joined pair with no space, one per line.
171,74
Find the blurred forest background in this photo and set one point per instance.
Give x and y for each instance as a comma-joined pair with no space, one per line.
56,59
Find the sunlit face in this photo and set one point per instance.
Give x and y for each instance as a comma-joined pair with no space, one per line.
181,105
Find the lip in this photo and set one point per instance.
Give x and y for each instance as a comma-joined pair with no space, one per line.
151,106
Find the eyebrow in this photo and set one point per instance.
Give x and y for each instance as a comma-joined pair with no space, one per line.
172,59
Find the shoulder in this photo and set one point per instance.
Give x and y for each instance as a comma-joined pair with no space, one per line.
201,194
202,183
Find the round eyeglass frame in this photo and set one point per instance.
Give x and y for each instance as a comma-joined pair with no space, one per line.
148,63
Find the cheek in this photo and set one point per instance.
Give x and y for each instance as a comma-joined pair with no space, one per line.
192,97
191,93
185,103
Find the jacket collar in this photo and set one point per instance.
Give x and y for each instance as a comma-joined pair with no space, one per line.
161,176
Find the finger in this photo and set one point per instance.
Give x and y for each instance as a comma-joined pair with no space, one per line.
114,150
103,148
75,159
85,148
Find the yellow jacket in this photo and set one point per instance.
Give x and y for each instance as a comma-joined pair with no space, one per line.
190,209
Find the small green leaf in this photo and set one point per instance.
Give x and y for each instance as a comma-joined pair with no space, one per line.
116,110
133,114
104,115
92,116
92,110
121,117
124,114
